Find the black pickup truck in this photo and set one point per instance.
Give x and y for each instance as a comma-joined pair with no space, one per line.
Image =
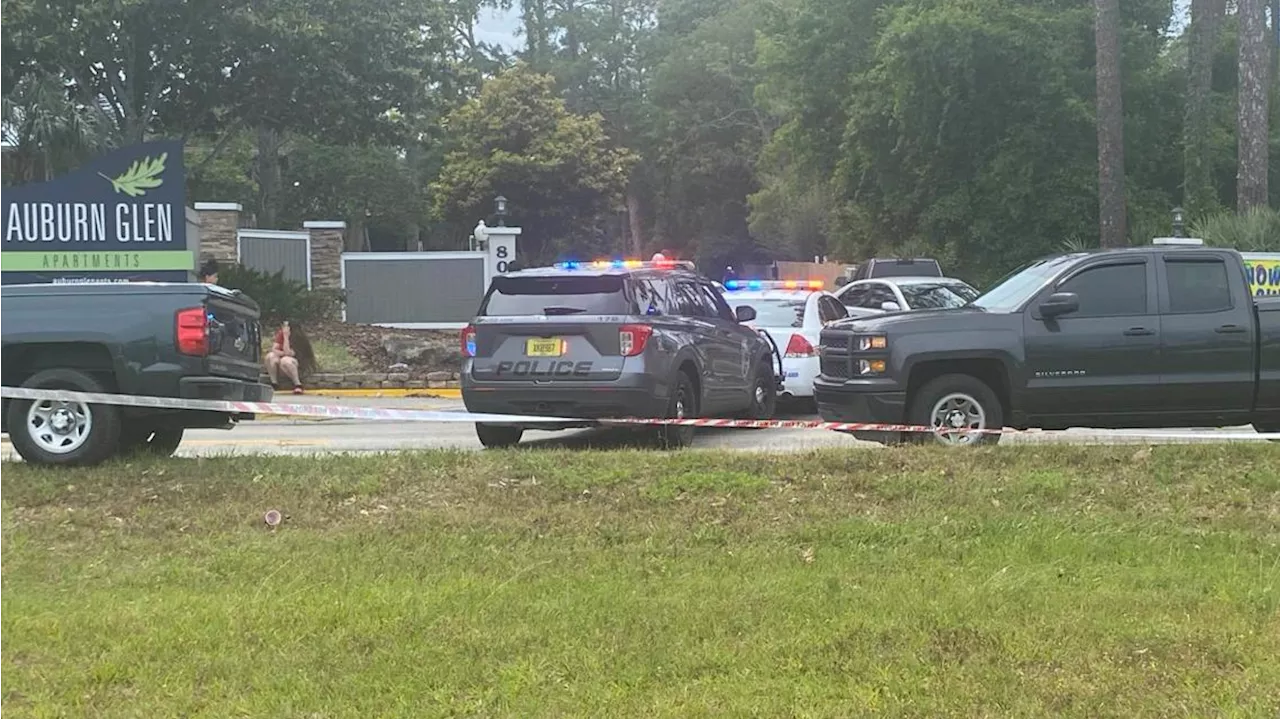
185,340
1158,336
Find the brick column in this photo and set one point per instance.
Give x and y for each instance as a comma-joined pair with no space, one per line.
219,222
326,253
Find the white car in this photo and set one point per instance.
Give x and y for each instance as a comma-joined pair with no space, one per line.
793,314
895,294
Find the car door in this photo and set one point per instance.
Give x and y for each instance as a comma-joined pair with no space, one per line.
710,342
740,348
1207,338
1097,364
829,310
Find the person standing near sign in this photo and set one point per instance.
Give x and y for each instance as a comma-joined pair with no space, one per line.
209,271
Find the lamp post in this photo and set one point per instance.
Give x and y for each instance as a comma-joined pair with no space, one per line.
500,209
1179,222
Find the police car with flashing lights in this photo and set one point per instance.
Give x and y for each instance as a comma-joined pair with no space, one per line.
792,313
613,338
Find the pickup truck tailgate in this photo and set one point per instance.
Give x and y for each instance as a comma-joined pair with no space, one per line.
235,338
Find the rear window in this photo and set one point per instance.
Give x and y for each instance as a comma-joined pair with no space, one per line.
778,313
913,268
557,295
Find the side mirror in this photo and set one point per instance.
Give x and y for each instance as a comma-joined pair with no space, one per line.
1058,304
745,313
890,306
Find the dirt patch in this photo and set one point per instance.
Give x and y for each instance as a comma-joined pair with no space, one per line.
379,349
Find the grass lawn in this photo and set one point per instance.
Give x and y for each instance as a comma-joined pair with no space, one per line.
1026,581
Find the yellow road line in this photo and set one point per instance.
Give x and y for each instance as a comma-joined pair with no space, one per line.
440,393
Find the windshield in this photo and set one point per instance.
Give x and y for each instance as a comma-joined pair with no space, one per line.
1018,287
588,294
937,296
777,313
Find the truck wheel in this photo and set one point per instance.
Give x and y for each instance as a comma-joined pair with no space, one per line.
63,433
764,393
682,405
155,441
498,436
957,401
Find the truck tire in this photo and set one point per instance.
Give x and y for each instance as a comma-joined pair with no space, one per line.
153,441
957,401
764,392
63,433
498,436
682,405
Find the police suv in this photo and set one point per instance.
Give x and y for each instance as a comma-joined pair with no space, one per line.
610,339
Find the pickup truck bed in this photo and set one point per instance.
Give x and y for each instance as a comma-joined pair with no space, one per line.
155,339
1133,338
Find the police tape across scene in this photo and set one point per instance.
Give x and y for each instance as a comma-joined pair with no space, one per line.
391,414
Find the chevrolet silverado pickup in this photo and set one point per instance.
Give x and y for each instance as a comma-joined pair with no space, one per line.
183,340
1147,337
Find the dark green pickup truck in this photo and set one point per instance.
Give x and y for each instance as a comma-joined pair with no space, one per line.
1147,337
183,340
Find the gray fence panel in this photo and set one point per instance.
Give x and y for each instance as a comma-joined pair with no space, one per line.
413,290
272,254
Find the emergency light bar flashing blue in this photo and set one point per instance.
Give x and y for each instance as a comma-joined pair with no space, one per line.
773,285
624,265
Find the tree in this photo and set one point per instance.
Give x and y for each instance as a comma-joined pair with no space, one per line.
1113,231
1255,75
49,131
559,171
1199,192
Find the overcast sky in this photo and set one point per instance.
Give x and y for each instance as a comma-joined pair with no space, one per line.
501,26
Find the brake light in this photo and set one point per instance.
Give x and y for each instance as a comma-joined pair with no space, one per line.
798,346
469,341
632,338
192,331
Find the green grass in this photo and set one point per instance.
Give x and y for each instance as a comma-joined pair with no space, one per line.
1037,581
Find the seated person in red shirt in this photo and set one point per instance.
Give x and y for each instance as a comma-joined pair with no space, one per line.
291,354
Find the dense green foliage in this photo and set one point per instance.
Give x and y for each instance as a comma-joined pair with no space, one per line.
725,130
279,298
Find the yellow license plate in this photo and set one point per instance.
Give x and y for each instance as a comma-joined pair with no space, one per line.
544,347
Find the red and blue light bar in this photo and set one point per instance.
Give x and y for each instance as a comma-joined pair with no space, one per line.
623,265
773,285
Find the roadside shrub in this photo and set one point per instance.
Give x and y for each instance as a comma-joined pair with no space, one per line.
280,298
1255,231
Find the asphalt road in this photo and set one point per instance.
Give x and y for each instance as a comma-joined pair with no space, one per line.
303,436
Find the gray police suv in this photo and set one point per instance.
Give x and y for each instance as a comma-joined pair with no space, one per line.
613,339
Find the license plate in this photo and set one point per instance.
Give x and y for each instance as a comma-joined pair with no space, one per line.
544,347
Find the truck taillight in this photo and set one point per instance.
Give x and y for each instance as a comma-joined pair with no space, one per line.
798,346
469,341
192,331
632,338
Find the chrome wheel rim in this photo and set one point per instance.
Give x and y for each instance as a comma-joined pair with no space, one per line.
760,394
59,427
955,417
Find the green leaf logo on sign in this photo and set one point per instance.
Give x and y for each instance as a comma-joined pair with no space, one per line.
141,176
